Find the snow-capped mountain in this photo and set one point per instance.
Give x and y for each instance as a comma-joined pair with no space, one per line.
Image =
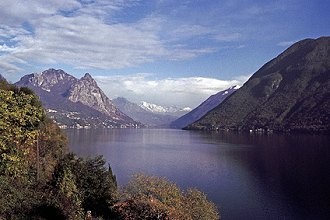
142,115
172,110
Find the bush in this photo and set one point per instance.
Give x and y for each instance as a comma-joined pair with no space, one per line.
138,209
158,198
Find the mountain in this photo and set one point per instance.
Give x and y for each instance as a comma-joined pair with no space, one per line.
202,109
2,78
172,110
87,92
147,117
289,93
73,102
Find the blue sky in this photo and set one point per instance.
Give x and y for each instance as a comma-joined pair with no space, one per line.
162,51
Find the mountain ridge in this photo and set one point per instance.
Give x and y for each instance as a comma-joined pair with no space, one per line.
154,108
2,78
147,117
290,93
203,108
73,102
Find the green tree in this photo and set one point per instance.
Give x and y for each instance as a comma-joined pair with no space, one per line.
96,185
20,116
17,197
69,194
50,147
22,125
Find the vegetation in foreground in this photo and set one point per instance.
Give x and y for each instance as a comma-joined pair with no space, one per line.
157,198
39,179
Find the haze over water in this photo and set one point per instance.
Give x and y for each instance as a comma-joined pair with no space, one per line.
248,177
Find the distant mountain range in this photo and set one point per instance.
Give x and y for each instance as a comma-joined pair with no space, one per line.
151,117
172,110
73,102
291,93
2,78
203,108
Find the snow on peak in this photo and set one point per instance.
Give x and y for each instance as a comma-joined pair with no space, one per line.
161,109
153,107
186,109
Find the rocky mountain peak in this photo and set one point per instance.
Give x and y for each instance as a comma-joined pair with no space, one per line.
60,92
87,79
87,76
47,79
87,92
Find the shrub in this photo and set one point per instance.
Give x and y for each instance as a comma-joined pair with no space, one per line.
157,198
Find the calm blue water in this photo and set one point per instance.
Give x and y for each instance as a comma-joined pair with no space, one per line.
248,177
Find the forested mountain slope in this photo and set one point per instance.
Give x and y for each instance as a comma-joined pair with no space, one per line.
289,93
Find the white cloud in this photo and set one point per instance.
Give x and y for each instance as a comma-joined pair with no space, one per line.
16,12
5,48
7,32
188,31
85,41
182,92
88,38
285,43
8,68
87,34
228,37
106,35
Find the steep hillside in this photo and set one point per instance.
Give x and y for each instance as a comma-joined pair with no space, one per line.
289,93
73,102
202,109
87,92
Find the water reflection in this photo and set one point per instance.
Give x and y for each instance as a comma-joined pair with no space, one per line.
293,169
249,177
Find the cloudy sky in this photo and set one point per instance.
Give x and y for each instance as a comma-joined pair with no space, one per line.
167,52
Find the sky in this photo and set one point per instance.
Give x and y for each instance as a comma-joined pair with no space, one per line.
167,52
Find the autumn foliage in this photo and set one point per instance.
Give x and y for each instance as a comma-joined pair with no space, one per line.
150,197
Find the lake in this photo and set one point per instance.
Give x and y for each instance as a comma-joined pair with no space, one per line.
246,176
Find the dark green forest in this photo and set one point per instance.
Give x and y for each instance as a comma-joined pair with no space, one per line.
41,179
